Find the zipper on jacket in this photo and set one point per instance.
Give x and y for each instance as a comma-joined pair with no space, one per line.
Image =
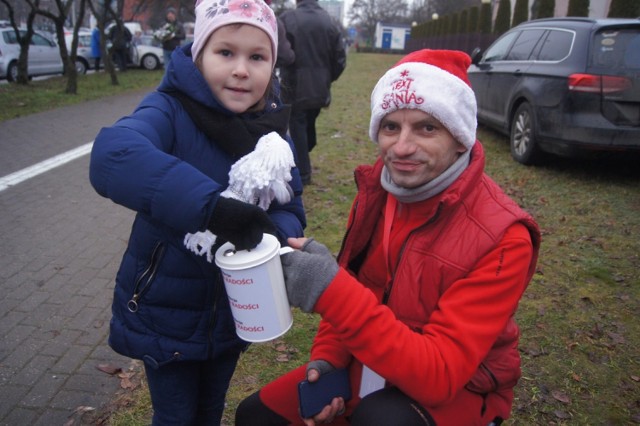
147,276
387,291
214,310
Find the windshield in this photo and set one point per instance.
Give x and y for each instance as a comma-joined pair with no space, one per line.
616,50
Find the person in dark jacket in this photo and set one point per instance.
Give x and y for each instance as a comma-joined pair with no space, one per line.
171,161
320,60
420,305
170,35
120,37
286,55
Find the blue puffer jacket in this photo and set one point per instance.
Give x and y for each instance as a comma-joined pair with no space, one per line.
170,304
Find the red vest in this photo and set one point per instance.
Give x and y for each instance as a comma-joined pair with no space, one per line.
470,219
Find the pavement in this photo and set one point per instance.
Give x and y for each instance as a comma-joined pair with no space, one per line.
60,247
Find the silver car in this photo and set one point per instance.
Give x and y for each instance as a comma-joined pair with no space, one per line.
84,58
44,55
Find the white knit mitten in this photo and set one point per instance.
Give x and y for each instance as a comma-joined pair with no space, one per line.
263,174
257,178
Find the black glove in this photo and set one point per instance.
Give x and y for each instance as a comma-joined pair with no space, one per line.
241,224
307,273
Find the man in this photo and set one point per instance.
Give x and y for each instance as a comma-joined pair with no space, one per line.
320,58
286,55
120,37
420,305
171,34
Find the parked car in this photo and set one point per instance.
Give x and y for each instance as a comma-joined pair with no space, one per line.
562,85
146,54
84,58
44,55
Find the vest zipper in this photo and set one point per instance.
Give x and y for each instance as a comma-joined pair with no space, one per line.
387,290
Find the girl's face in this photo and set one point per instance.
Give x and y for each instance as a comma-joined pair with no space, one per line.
236,63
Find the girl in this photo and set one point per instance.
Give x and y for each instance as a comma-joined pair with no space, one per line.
170,162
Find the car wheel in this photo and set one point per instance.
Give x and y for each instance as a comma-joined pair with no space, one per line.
12,72
81,67
524,148
150,62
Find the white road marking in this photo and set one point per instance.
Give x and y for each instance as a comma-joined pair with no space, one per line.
27,173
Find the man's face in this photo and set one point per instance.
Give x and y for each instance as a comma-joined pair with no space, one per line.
171,17
415,147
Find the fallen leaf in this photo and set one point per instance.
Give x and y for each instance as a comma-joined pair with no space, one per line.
83,409
562,414
283,358
561,396
126,383
110,369
618,339
635,378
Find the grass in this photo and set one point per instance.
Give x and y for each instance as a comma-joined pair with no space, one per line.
18,100
578,318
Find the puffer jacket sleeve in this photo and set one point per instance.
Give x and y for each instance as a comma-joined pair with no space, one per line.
132,164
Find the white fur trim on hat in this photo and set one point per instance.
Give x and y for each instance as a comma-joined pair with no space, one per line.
417,85
213,14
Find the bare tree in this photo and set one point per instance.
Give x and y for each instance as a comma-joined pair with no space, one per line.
421,11
59,17
24,38
72,76
103,15
448,7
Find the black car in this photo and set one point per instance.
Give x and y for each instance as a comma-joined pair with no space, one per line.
563,86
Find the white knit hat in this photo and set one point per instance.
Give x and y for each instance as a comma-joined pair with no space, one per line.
213,14
434,81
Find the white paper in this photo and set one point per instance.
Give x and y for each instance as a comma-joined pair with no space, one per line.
371,381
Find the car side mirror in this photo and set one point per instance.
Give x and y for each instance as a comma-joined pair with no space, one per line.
476,55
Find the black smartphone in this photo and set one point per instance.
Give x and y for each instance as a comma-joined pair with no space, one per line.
314,396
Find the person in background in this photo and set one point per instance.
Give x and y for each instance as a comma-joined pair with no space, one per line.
420,305
171,161
320,60
95,47
120,37
170,35
137,38
286,55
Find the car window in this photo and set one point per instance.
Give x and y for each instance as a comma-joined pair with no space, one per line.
38,40
556,46
84,41
616,49
10,37
524,44
498,51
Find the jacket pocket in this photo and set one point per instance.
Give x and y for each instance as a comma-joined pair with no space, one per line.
144,281
483,381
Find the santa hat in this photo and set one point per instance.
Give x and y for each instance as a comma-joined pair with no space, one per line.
213,14
434,81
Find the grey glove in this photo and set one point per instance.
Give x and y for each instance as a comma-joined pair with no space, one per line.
320,365
307,273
